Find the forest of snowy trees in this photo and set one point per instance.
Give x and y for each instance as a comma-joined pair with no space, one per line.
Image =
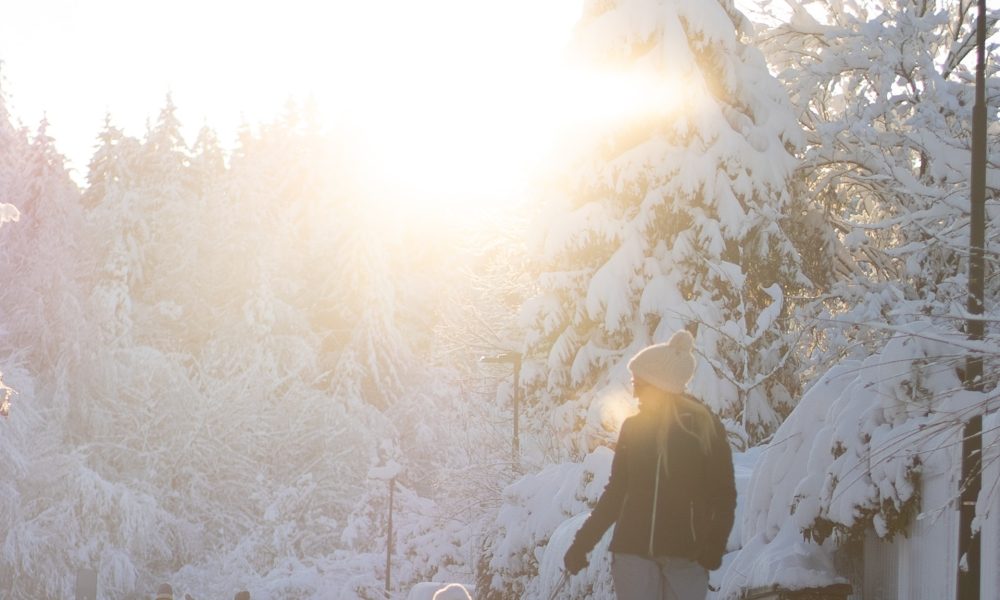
215,355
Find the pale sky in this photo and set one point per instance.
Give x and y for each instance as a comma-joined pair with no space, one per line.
396,69
453,102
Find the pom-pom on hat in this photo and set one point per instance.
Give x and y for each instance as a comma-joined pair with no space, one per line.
668,366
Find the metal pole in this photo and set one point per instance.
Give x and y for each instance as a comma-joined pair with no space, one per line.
969,542
559,586
516,444
388,544
513,358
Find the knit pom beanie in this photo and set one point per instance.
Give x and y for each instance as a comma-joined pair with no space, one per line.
668,366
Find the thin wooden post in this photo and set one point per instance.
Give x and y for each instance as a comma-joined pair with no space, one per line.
388,544
972,445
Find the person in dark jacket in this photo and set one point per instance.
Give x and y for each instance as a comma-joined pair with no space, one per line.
671,494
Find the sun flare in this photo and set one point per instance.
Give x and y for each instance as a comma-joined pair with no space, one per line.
447,118
460,147
454,118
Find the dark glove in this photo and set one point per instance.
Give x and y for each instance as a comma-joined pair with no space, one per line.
575,559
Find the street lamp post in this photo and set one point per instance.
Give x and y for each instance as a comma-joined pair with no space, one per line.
388,544
971,482
388,473
512,358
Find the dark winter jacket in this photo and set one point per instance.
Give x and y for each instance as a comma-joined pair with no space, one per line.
695,503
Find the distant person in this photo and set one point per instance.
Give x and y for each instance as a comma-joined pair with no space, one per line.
242,595
671,494
452,591
165,592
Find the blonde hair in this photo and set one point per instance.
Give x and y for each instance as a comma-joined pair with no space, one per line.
701,425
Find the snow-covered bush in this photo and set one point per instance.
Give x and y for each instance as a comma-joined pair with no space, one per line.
848,459
522,554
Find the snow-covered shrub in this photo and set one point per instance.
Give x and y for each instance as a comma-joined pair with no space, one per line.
848,459
522,555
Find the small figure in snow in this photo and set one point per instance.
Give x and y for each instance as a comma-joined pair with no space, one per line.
242,595
672,493
164,592
452,591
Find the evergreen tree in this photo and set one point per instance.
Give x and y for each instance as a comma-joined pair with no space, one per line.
375,361
13,141
208,165
170,210
45,255
118,230
72,482
674,218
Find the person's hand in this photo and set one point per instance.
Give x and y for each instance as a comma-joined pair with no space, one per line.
575,559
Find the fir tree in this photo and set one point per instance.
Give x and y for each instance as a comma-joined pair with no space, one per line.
675,218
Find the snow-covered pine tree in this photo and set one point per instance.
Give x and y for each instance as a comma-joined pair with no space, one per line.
71,482
105,166
375,361
172,250
42,260
201,296
118,230
46,321
46,257
208,163
144,234
14,140
674,218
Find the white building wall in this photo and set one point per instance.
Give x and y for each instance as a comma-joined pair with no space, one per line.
988,510
923,564
880,578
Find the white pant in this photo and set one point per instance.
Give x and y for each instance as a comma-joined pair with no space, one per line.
638,578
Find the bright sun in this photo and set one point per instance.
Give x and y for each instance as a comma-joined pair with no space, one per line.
450,106
462,144
446,105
